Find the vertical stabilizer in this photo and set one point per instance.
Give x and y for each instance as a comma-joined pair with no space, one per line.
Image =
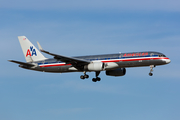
31,53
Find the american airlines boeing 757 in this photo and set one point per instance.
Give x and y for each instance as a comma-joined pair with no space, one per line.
113,64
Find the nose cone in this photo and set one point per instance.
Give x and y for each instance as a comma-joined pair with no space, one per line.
168,61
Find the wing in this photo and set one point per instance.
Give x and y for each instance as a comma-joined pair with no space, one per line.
21,63
71,60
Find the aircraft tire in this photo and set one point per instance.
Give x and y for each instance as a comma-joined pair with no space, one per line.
150,74
98,79
82,77
86,76
94,80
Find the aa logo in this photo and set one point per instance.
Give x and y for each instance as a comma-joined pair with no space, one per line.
31,52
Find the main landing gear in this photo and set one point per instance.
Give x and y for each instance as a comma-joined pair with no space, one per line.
97,78
151,70
94,79
84,76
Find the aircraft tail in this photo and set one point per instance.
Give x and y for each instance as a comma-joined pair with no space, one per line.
31,53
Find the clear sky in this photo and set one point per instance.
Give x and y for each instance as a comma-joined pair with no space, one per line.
78,27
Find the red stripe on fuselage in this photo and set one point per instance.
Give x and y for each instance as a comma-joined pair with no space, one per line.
53,65
105,61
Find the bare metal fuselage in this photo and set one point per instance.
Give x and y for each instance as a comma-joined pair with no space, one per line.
123,60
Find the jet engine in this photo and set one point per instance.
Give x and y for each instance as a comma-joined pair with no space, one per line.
94,66
116,72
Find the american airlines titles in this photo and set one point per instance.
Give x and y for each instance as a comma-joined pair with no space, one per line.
135,54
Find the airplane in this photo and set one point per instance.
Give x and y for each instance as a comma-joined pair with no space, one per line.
112,64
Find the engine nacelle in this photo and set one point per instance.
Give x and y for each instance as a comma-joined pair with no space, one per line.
95,66
116,72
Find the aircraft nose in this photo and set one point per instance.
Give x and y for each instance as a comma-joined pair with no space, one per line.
168,61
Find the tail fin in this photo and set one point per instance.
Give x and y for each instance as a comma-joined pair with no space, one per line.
31,53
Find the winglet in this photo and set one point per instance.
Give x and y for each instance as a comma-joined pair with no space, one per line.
39,46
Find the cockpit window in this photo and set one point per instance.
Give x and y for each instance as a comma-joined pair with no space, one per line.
162,56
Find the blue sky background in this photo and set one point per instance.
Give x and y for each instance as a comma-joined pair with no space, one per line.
84,28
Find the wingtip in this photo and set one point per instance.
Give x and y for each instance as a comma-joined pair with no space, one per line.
39,46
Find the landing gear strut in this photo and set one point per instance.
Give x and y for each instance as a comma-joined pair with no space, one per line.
84,76
151,70
97,78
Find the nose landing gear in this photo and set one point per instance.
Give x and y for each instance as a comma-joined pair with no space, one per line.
151,70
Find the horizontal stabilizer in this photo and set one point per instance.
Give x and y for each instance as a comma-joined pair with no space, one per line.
21,63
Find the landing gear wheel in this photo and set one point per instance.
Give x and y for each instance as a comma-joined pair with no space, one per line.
86,76
151,70
94,80
82,77
98,79
150,74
